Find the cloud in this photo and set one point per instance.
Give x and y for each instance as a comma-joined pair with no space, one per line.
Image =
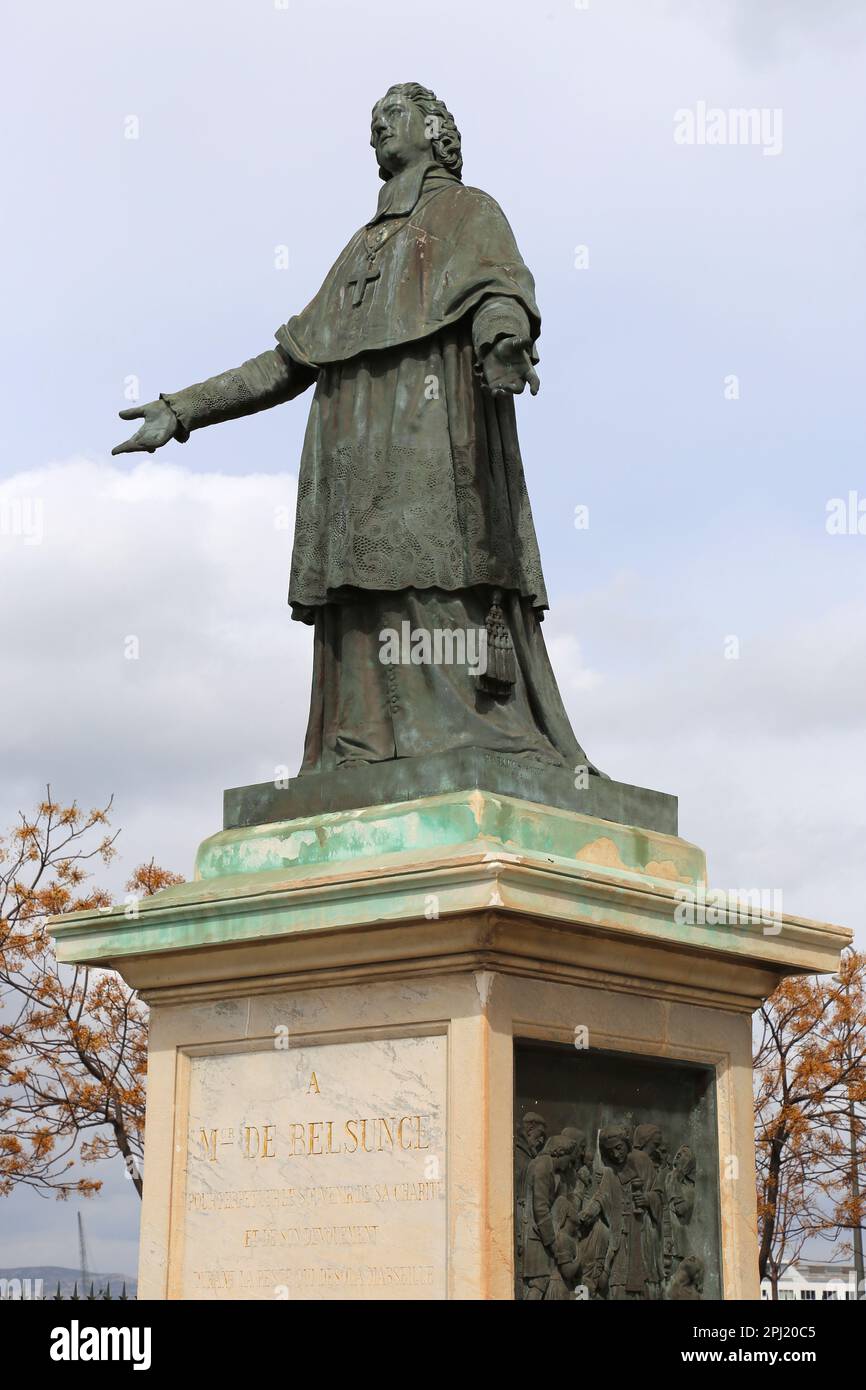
154,654
766,752
770,28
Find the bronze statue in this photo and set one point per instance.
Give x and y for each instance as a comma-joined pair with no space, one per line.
624,1200
538,1244
412,505
680,1201
567,1266
528,1142
647,1139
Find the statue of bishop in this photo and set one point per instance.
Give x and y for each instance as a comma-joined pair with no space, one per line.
412,509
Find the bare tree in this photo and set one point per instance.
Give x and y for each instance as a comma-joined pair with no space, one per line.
73,1041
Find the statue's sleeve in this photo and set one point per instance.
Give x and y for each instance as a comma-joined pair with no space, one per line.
596,1206
264,381
498,316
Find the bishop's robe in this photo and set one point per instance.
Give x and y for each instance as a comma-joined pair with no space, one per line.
412,504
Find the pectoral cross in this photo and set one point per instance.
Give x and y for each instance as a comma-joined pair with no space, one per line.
360,282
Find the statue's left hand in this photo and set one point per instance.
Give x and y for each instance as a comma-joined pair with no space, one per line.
508,367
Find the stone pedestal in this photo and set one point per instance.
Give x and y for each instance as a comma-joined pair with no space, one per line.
348,1009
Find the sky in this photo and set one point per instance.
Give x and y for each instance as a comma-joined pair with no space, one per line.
181,179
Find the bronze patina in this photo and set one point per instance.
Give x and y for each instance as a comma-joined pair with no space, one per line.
615,1177
413,532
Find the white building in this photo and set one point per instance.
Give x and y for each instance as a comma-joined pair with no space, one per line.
814,1282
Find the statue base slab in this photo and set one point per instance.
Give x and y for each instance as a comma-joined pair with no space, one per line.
477,769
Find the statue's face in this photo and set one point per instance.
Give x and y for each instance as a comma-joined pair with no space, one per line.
536,1134
616,1152
579,1150
653,1146
398,132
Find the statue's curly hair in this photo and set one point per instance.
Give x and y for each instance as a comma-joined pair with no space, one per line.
446,142
559,1145
609,1136
643,1134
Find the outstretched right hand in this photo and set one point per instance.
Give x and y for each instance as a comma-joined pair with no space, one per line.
160,424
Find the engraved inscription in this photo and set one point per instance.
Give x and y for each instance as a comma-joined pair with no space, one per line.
317,1172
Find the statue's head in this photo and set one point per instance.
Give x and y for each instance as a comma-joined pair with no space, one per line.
613,1145
579,1143
648,1138
535,1129
684,1162
561,1150
410,122
691,1273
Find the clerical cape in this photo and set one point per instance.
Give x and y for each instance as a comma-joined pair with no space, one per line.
432,253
